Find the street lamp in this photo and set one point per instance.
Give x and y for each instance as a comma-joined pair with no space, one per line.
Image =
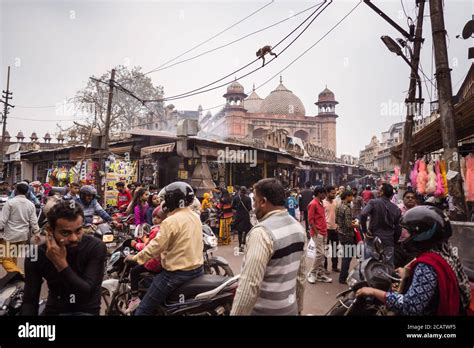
396,48
392,45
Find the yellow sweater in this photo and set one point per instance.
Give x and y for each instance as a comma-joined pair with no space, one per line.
179,242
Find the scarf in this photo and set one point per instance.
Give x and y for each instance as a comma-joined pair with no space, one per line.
448,290
439,258
447,253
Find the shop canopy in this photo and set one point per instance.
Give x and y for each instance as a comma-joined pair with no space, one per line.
148,150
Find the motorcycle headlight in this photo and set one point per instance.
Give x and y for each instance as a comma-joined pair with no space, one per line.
210,240
107,238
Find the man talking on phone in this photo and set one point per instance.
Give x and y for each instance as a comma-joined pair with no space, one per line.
72,264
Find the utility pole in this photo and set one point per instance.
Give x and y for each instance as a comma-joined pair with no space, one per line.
410,102
109,111
6,95
446,108
105,139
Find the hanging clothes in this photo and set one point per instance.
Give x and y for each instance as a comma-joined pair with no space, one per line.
442,166
431,185
422,178
439,181
414,174
470,178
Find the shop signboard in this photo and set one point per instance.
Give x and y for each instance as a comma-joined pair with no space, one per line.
118,171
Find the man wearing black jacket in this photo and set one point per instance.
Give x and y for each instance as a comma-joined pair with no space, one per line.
72,264
306,196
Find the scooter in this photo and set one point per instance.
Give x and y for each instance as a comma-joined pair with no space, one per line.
11,294
374,272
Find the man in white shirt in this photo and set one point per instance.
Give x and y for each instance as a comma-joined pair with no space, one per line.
17,221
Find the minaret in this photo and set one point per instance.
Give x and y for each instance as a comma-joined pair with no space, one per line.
235,111
327,115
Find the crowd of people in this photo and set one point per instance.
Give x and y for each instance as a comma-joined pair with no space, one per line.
274,226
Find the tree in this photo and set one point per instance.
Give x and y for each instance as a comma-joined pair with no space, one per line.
127,111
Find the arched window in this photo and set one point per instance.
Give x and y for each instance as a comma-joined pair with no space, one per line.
259,132
303,135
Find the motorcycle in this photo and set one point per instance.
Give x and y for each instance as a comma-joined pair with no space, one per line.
11,294
104,232
209,217
112,236
213,264
205,295
374,272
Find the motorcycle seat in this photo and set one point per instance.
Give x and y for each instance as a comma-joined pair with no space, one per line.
196,286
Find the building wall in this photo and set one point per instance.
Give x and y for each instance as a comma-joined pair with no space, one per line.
321,130
27,170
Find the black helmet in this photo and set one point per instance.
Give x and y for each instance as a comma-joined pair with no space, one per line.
427,226
177,195
87,190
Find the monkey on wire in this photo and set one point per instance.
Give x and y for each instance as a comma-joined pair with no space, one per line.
263,51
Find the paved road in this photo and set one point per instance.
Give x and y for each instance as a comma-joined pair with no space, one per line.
318,298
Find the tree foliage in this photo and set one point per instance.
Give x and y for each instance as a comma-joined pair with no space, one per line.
127,112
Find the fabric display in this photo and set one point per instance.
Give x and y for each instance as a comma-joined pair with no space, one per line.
58,176
394,180
429,178
469,177
61,176
118,171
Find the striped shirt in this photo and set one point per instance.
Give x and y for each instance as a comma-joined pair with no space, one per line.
260,249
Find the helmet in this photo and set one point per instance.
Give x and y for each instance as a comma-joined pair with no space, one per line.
427,226
177,195
87,190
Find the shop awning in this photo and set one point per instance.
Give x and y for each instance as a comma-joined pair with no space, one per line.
121,150
429,139
148,150
12,149
284,160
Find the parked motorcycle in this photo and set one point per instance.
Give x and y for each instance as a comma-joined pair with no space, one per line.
11,294
374,272
209,217
205,295
213,264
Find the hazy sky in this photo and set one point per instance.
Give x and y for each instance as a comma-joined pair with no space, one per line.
53,47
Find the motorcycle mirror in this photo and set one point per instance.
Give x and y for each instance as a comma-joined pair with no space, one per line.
378,245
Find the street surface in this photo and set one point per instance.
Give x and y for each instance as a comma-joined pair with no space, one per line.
318,298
